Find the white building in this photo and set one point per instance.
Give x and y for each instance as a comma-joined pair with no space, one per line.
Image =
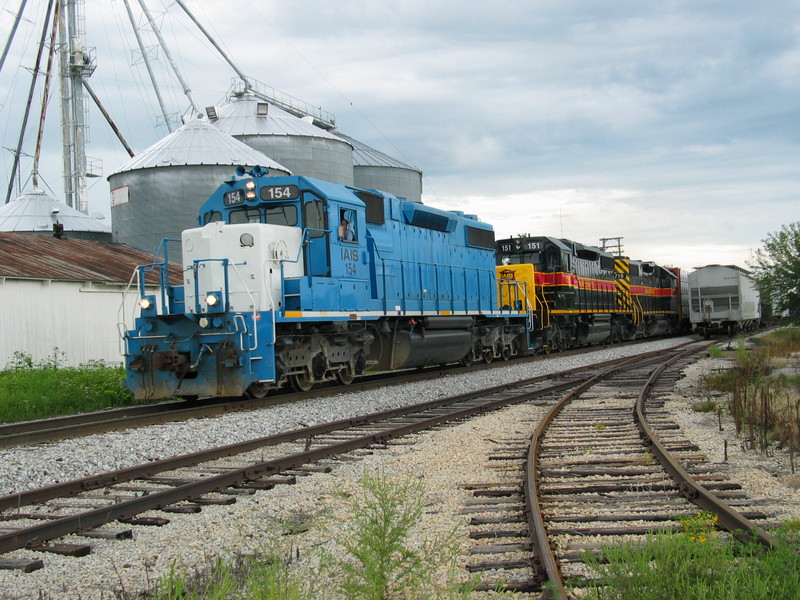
65,294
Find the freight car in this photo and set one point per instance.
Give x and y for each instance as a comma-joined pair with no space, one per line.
581,294
293,280
723,300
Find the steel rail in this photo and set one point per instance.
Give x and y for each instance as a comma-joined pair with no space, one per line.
544,559
728,518
56,428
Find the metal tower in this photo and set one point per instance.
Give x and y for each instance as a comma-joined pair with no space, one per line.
76,63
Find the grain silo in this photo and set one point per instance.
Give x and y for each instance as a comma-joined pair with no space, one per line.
373,169
37,213
292,141
157,193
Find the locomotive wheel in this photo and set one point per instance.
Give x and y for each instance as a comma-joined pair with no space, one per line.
488,355
346,375
256,391
505,353
301,382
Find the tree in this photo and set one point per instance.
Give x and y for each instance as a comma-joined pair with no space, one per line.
776,269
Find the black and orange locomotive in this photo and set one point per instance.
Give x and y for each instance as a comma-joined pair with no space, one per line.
581,294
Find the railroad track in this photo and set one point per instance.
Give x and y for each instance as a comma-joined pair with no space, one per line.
57,428
608,464
38,519
592,474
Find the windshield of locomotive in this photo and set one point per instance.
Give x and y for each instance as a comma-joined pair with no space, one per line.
281,214
522,258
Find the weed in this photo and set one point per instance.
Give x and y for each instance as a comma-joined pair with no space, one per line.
707,406
381,561
764,407
269,575
699,527
716,352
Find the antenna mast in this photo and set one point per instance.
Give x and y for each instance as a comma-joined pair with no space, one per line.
612,244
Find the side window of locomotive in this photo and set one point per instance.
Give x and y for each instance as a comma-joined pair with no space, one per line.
211,217
374,207
552,260
347,225
245,215
282,215
314,213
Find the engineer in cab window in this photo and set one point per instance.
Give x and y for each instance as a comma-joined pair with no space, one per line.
345,233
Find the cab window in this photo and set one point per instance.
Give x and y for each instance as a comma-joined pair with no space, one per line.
211,217
245,215
347,225
282,215
315,218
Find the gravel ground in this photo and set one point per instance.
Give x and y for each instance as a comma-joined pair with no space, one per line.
461,451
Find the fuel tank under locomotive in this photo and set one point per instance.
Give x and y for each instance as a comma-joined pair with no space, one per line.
410,343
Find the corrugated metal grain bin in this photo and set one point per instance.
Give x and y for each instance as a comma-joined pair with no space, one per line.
294,142
157,194
373,169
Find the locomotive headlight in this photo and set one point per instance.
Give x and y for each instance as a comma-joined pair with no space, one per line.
213,302
203,322
250,185
249,194
148,306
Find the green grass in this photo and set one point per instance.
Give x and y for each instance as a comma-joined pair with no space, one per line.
36,390
270,575
716,352
696,564
707,406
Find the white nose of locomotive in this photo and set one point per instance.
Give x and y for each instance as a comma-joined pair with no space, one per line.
239,268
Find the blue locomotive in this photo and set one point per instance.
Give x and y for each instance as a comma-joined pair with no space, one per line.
294,280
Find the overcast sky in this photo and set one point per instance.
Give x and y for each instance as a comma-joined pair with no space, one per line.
674,125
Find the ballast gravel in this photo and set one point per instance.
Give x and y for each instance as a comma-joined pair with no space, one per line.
459,456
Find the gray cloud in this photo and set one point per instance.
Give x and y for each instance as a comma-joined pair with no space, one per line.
674,124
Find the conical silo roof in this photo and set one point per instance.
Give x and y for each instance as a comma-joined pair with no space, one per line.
247,115
373,169
36,212
366,156
198,142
